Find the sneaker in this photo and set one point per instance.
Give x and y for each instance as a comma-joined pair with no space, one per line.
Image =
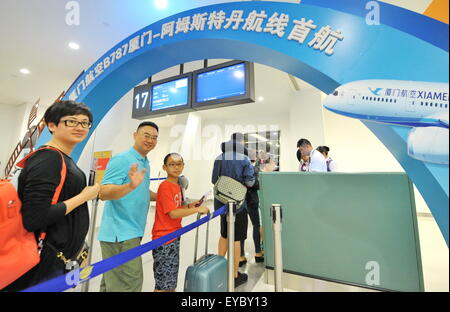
241,279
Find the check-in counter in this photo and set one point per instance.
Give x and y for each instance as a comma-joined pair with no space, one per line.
356,229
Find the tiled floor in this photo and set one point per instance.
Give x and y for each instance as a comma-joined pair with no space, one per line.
435,256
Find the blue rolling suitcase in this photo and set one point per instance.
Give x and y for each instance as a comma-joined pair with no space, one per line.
209,273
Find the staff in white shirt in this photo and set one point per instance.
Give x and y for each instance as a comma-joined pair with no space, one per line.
303,162
317,161
331,164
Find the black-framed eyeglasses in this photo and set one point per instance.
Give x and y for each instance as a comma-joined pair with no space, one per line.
149,137
74,123
173,165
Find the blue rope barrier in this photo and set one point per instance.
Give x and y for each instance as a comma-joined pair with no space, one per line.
59,283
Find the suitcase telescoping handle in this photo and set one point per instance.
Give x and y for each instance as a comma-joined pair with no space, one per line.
196,237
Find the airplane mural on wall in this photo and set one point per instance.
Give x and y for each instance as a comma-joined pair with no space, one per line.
424,106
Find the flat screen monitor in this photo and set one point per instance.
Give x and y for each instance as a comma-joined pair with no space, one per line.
163,97
170,94
224,84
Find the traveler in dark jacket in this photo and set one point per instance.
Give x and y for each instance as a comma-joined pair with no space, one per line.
252,201
235,164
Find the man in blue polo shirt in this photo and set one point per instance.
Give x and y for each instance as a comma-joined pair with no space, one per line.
126,188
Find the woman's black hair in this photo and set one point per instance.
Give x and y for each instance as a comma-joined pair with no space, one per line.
299,155
323,149
169,155
60,109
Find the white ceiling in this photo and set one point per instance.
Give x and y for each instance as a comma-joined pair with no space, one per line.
34,35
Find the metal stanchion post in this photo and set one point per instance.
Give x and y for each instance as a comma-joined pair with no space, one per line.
230,235
277,246
85,285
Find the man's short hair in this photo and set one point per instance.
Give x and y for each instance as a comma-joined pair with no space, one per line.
147,123
60,109
303,142
237,137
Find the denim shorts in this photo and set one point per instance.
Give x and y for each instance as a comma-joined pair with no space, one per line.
166,261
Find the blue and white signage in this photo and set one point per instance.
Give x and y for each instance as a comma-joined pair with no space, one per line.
326,43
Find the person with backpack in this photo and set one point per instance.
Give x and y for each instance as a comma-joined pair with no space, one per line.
66,222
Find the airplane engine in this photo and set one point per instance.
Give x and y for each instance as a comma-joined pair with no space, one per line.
429,144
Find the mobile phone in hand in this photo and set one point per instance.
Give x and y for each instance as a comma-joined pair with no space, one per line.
200,201
91,180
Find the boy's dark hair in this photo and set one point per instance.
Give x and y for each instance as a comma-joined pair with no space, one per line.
323,149
237,137
60,109
303,142
169,155
147,123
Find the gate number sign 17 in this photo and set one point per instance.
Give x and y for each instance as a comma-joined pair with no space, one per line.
144,96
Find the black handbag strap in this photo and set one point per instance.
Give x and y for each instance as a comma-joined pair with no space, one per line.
220,165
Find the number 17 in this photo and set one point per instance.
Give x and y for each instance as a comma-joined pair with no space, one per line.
144,96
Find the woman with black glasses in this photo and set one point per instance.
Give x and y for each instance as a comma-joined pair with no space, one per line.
65,218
